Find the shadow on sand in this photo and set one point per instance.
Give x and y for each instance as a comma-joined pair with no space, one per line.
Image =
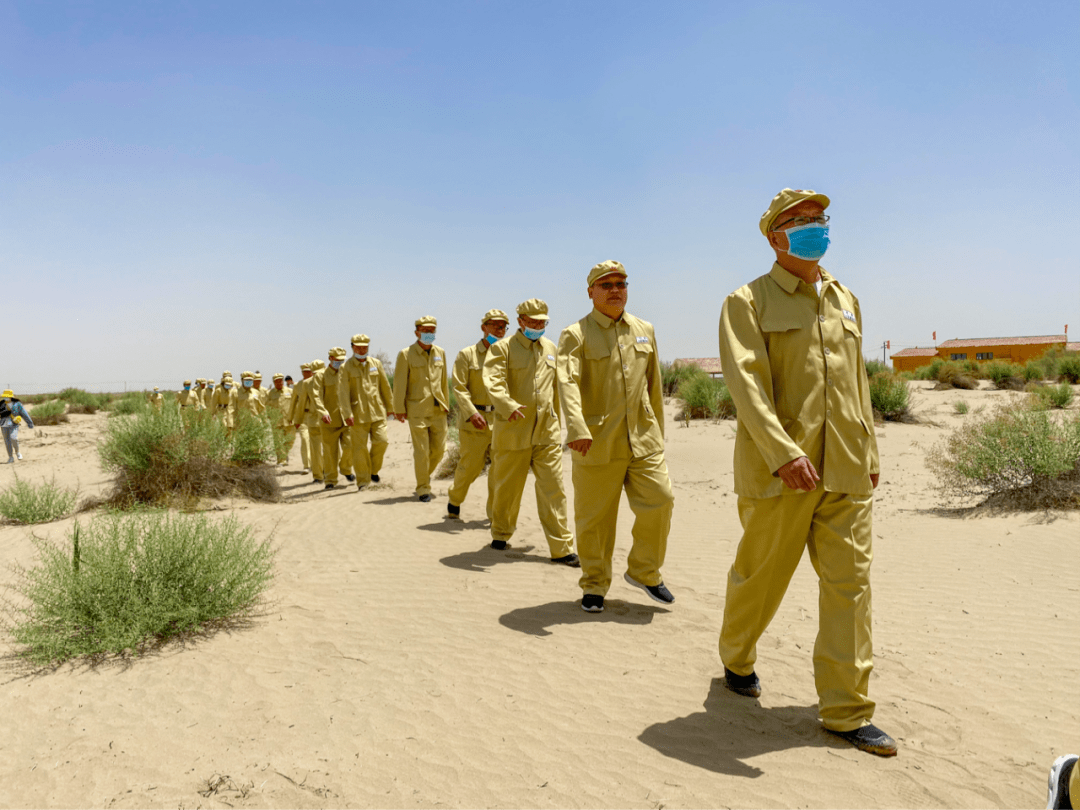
733,729
487,558
537,619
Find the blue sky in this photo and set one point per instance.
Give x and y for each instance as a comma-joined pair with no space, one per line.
190,187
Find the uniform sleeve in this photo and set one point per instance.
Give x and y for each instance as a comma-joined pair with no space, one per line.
444,386
745,362
317,396
655,383
496,382
344,389
864,395
461,385
401,380
569,371
385,391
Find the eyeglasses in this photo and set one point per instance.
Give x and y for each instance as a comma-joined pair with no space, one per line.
800,221
608,286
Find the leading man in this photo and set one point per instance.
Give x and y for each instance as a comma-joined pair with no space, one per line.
806,464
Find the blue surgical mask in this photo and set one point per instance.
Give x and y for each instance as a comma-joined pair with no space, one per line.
226,386
248,383
491,339
808,242
187,387
532,334
361,357
335,364
427,338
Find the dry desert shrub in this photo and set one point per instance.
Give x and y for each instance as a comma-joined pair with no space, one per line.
27,503
891,398
673,376
49,413
705,398
1015,458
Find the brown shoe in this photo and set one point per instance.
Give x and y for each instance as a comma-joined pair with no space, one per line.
869,738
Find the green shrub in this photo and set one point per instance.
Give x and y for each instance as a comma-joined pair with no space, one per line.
127,582
173,455
1050,397
876,367
129,403
80,401
948,372
36,399
672,376
1034,371
1016,457
929,371
51,413
1005,375
961,407
26,503
890,397
703,397
973,368
1068,368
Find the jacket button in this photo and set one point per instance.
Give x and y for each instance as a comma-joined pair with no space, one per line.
826,350
821,318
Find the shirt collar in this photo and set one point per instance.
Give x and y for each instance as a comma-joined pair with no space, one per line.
519,336
603,320
789,282
483,345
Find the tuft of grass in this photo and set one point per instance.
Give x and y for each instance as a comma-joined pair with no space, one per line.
1068,368
179,456
1005,375
1015,458
961,407
451,458
673,376
876,367
703,397
890,397
1034,370
49,413
126,583
1051,397
80,401
27,503
129,403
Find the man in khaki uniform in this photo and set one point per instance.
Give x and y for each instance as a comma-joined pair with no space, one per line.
337,448
609,378
521,379
475,412
422,395
224,401
278,409
156,398
366,397
257,385
208,395
200,393
248,398
307,421
806,464
188,398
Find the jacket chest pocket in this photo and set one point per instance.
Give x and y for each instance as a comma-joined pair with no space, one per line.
847,318
596,350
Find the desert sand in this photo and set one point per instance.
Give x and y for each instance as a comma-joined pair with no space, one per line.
402,663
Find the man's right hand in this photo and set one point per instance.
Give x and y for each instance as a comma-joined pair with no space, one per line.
400,417
799,474
518,414
580,446
477,421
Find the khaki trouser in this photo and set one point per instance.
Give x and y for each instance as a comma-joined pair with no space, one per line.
474,447
428,445
835,528
315,426
305,448
368,462
597,488
336,450
510,468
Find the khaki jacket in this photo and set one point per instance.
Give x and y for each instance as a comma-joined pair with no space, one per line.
280,401
205,398
420,382
794,366
470,388
612,393
521,372
189,399
365,393
248,399
324,394
224,403
303,403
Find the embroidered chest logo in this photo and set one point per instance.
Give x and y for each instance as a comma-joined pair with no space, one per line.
642,339
551,357
438,361
849,315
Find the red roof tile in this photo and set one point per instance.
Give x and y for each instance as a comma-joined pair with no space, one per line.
962,343
1072,347
915,352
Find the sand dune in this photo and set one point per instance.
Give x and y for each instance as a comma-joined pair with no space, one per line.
402,663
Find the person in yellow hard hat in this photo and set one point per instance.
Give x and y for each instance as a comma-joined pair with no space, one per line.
305,418
422,395
278,410
609,379
337,446
520,376
475,412
12,416
806,464
187,398
365,397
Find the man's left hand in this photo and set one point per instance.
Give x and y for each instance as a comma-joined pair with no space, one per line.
874,478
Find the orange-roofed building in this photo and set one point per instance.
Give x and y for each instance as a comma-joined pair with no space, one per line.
710,365
911,359
1013,349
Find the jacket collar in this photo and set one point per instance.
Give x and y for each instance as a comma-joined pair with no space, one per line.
603,320
524,341
789,282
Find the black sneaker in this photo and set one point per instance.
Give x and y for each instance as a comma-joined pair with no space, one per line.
592,603
350,477
374,478
499,545
658,593
330,486
453,511
316,480
570,560
425,498
869,738
1058,788
746,685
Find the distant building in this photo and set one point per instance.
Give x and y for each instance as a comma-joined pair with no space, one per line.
710,365
1013,349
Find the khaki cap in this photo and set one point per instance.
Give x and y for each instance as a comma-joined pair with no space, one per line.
247,375
533,308
606,269
305,366
317,364
427,320
200,380
338,353
226,373
783,201
187,382
258,375
278,375
360,340
495,315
